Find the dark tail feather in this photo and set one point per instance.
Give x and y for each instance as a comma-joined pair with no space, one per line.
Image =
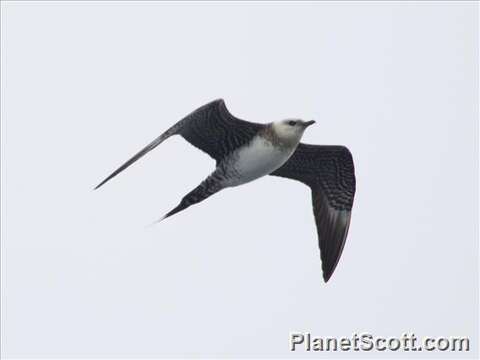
208,187
177,209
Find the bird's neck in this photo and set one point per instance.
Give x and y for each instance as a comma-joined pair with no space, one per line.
270,134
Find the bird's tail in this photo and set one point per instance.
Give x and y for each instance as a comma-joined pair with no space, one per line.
208,187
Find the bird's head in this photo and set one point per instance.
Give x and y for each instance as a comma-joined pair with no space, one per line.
290,130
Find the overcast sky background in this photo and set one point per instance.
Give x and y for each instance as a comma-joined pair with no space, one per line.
85,85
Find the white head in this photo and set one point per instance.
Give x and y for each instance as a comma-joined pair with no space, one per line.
291,130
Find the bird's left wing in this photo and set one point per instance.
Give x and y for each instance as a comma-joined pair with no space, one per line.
211,128
329,172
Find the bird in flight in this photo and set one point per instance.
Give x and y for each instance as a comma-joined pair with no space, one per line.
245,151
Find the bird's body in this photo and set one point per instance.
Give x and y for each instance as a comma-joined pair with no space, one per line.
257,158
245,151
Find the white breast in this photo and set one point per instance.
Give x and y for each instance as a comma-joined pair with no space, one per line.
260,157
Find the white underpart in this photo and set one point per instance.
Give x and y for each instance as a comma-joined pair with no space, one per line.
259,158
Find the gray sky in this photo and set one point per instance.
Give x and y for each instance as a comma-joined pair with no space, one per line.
86,85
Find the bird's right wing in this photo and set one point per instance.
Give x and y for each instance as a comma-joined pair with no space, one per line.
211,128
329,172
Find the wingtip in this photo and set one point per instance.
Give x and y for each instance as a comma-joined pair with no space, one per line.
327,271
96,187
327,277
104,181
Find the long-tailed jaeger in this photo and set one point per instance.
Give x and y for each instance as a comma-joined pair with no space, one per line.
245,151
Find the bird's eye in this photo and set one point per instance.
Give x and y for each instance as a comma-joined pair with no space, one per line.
292,123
